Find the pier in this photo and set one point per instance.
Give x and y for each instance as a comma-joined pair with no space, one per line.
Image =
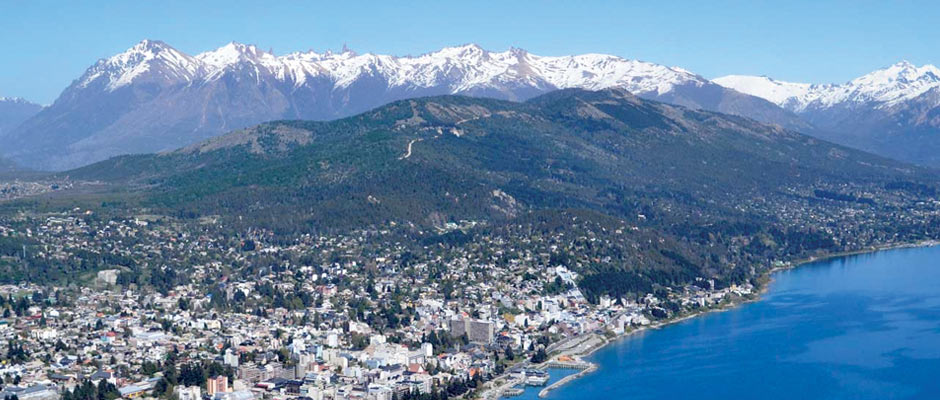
586,368
568,365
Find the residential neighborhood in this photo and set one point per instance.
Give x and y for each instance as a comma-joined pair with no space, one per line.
325,317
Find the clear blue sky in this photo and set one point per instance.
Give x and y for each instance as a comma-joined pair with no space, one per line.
47,44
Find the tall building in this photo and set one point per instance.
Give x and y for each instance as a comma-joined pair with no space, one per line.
427,349
230,358
218,384
478,331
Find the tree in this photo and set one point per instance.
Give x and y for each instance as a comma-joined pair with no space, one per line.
161,388
540,356
192,374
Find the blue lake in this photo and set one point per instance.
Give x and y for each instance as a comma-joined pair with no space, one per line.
554,375
859,327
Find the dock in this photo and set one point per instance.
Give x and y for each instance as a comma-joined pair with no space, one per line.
586,368
568,365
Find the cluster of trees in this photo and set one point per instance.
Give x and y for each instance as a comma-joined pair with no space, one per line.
33,267
87,390
453,389
556,286
192,373
18,306
386,315
162,279
12,246
16,353
918,189
442,340
724,251
539,356
826,194
292,300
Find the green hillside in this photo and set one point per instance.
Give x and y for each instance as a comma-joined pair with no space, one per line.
569,149
669,194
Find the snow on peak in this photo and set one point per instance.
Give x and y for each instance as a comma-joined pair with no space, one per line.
147,56
602,71
14,100
232,53
467,51
881,88
899,82
459,68
215,63
778,92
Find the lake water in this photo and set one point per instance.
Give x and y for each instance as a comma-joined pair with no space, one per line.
859,327
554,375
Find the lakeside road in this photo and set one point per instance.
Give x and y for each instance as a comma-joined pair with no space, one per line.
575,347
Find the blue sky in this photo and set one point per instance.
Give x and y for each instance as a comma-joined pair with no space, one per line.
47,44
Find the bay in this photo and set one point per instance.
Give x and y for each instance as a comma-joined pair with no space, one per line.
856,327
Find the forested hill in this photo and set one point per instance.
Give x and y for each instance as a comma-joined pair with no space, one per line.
443,158
631,194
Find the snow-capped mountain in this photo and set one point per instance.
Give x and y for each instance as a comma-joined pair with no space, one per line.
13,111
153,97
458,69
885,87
148,61
784,94
894,111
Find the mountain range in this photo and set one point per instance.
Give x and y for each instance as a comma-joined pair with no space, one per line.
154,98
13,111
894,111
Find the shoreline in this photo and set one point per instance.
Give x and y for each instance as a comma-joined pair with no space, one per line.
588,367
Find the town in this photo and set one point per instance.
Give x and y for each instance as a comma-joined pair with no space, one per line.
154,306
377,327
